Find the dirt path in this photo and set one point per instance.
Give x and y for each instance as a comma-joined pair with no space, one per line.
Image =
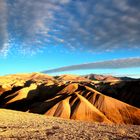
20,125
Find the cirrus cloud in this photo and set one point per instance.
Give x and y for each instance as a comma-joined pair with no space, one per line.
93,25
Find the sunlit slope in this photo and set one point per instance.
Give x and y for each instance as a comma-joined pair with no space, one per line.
78,100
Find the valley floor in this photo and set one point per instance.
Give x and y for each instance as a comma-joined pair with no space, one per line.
22,125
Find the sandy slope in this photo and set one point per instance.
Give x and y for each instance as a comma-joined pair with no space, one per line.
79,100
22,125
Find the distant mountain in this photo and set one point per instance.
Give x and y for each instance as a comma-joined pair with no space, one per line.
102,77
70,77
71,97
128,79
107,78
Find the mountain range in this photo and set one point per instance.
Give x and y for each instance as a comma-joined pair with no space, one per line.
93,98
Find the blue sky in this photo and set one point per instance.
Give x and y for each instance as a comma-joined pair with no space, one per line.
47,34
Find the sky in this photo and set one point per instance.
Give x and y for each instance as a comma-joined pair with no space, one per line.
43,35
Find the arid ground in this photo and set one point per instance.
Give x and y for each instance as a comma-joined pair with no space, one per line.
22,125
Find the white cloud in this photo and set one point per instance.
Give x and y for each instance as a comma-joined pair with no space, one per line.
3,28
111,64
94,25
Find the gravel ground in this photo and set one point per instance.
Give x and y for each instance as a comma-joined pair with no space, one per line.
21,125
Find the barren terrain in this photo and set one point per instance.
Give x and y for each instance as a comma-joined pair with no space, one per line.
71,97
70,107
22,125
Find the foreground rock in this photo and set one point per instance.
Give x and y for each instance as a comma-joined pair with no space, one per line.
22,125
69,97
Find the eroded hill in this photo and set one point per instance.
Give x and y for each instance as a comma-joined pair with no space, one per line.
69,97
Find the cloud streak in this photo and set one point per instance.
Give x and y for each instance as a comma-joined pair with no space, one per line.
93,25
3,27
111,64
